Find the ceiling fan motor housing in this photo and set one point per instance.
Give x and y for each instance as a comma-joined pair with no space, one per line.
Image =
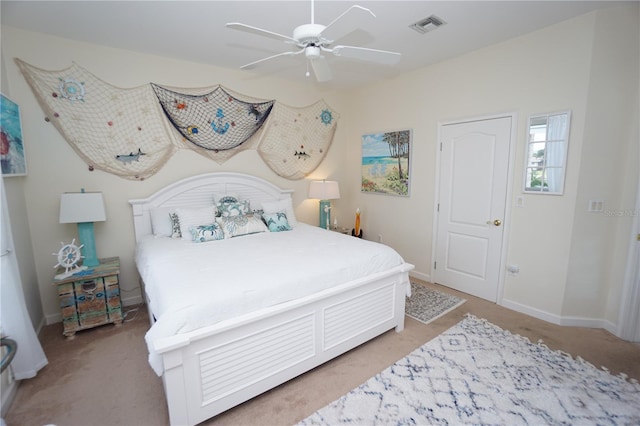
309,34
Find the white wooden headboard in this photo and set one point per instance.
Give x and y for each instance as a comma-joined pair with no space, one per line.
200,191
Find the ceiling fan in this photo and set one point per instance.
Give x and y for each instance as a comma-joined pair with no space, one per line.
313,40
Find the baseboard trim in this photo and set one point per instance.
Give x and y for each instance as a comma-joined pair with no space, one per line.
533,312
8,394
420,275
569,321
134,300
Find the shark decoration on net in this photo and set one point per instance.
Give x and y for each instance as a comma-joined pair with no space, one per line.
130,157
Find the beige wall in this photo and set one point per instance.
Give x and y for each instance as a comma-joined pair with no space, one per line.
609,156
558,68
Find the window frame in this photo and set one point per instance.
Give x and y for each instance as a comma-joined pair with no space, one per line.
562,167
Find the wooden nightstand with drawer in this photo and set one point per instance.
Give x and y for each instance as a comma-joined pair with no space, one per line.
91,298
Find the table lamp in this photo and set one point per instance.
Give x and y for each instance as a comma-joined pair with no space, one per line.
324,190
84,208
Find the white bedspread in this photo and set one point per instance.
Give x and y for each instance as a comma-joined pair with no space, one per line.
192,285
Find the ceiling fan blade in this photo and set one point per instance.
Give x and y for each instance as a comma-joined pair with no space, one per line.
370,55
334,30
259,31
254,63
321,69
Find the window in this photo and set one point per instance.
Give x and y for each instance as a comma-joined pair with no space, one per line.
547,153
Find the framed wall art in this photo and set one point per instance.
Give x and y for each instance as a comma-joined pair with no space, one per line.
386,162
12,156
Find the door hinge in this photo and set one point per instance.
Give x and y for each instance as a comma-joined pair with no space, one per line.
440,146
438,209
434,265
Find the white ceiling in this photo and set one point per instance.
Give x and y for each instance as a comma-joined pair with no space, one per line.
195,30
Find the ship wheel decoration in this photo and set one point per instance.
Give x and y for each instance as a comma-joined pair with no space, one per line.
71,89
68,257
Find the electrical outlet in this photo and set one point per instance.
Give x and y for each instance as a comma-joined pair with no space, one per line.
596,206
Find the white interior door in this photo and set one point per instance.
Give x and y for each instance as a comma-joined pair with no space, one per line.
474,164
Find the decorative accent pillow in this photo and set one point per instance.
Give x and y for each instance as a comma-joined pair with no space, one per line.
233,208
228,199
235,226
194,216
203,233
175,225
281,206
276,222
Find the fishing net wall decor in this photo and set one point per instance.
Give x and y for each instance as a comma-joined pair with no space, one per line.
120,131
216,121
133,132
296,140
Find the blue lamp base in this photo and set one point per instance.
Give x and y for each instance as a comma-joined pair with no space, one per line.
85,233
325,214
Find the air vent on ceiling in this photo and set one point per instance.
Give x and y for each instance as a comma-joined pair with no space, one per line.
425,25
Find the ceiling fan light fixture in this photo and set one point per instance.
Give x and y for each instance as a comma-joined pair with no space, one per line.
312,52
428,24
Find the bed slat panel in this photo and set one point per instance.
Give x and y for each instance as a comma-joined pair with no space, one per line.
350,318
197,197
236,365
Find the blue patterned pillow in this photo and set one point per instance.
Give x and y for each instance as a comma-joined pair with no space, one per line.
276,222
203,233
239,208
228,199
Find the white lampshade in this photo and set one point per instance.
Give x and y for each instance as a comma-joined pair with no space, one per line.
324,190
78,207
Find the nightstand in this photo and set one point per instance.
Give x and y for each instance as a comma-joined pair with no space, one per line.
90,298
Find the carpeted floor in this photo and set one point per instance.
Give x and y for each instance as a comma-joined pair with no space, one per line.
102,378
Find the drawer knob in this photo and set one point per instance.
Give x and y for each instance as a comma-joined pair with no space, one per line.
89,287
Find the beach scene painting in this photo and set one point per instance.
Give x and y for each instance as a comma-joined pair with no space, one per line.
385,162
12,156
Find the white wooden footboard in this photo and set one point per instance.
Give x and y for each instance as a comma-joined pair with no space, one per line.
215,368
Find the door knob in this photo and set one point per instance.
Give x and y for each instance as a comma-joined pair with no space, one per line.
497,222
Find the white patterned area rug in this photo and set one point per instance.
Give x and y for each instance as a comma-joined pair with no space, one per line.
426,304
477,373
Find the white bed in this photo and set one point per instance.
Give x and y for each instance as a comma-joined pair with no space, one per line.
224,332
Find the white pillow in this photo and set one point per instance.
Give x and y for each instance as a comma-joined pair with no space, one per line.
161,222
279,206
235,226
193,217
